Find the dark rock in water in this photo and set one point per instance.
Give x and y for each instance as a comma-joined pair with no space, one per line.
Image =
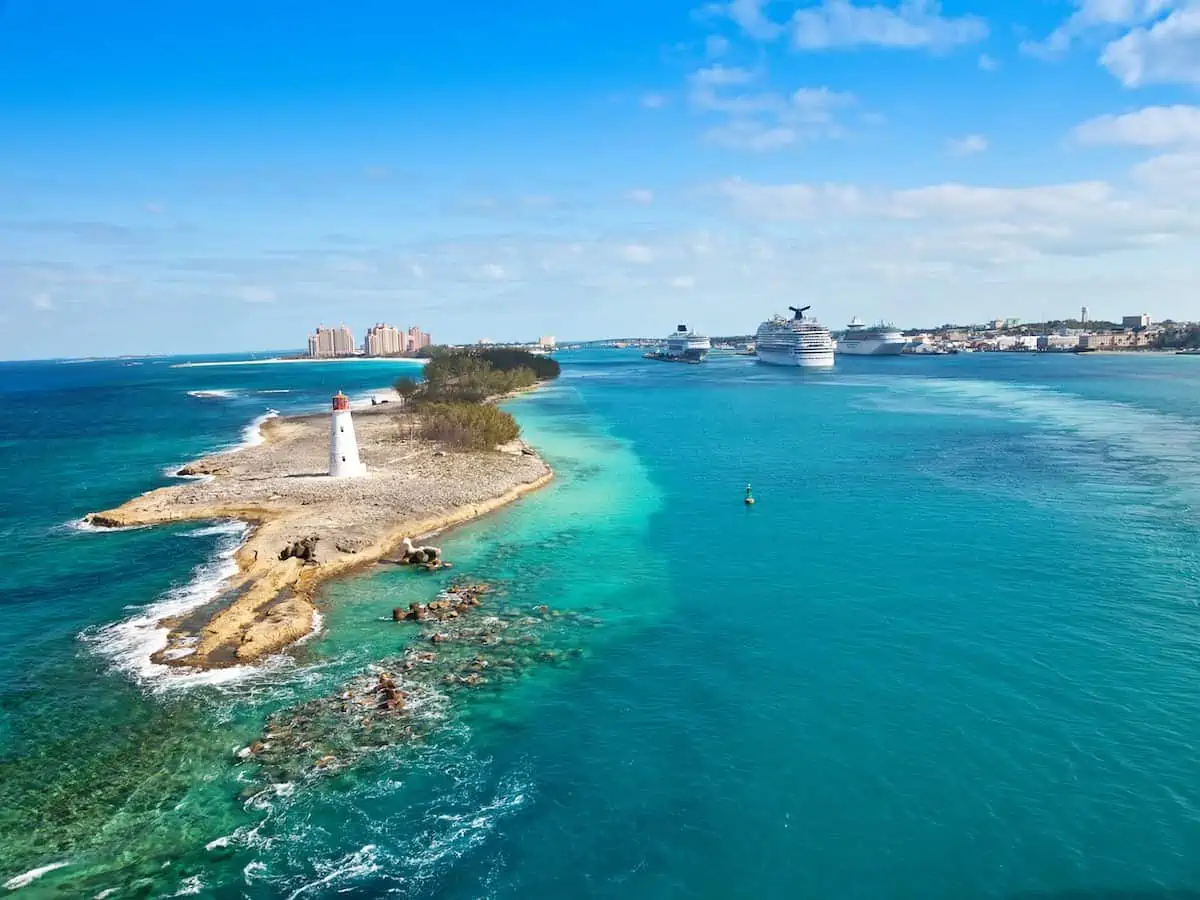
104,521
400,700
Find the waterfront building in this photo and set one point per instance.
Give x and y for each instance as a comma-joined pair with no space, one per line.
1117,340
343,445
547,342
1142,321
325,343
384,340
1057,341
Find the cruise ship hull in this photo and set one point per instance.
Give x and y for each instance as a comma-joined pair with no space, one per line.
870,348
804,359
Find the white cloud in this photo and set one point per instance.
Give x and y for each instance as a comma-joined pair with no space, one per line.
654,101
751,18
1167,52
967,145
817,104
42,302
763,120
683,282
1097,15
644,196
719,75
494,272
716,46
251,294
637,253
1153,126
751,134
155,208
957,224
1174,177
913,24
988,63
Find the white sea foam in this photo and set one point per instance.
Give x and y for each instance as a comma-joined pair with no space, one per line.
86,527
457,833
216,394
218,530
318,622
275,391
189,886
130,643
31,876
363,861
252,434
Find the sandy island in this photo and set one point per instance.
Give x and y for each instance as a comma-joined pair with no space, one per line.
281,489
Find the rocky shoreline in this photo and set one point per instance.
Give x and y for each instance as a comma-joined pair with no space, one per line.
308,527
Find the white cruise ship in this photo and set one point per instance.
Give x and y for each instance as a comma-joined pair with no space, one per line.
684,346
798,341
878,340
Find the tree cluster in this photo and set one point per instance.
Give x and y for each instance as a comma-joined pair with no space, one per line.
467,426
451,399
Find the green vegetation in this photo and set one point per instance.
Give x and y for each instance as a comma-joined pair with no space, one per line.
467,426
407,387
451,400
472,376
465,378
503,359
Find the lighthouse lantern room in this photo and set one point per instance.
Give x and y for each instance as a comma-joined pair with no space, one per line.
343,446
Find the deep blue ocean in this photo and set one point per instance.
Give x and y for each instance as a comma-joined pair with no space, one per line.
951,652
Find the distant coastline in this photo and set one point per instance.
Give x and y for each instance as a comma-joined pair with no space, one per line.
280,360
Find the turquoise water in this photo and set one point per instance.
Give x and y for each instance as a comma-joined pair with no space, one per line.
951,651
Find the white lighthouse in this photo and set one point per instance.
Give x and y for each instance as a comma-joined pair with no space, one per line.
343,446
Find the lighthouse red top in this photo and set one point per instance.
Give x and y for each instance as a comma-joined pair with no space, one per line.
340,401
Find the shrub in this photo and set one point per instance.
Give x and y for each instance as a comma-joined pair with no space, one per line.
504,359
469,376
467,426
406,387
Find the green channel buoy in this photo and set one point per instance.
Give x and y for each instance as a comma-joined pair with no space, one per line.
749,497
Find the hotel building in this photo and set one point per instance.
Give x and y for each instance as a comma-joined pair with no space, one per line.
325,343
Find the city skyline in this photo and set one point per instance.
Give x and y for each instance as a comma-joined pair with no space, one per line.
709,162
379,339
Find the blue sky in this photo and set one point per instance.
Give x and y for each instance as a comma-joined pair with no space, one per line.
224,176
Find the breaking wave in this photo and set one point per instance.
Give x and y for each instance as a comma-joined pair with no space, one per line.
130,643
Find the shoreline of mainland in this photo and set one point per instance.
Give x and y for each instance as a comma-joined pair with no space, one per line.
280,488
